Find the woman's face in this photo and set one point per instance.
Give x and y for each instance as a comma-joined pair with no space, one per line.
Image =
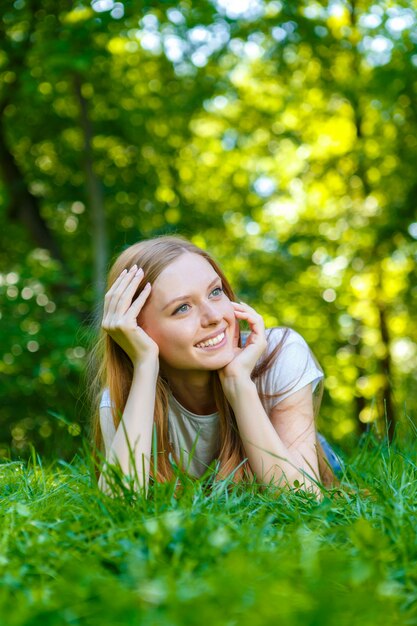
186,312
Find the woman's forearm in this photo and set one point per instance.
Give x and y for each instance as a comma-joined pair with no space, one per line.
268,456
137,421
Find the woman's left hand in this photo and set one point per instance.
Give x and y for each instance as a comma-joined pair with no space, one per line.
241,366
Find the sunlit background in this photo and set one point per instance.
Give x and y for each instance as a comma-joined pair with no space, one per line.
281,136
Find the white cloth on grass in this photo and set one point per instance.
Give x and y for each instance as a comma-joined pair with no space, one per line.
293,369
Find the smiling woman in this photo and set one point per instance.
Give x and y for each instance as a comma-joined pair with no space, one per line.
172,354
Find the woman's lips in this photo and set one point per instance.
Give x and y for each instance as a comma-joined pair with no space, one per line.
217,345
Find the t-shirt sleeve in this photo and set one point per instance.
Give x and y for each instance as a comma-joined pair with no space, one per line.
106,421
294,367
105,399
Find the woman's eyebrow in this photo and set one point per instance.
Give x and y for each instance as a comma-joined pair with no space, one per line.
188,296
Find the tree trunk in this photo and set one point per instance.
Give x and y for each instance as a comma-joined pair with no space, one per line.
95,201
23,205
360,402
388,410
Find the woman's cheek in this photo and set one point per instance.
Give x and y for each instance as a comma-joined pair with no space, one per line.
229,310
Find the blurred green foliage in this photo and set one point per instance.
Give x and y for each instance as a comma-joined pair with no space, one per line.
281,136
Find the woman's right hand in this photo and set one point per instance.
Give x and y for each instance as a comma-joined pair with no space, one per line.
120,315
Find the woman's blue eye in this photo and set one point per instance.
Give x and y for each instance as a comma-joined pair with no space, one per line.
181,309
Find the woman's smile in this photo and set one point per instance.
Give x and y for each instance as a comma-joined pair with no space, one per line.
214,342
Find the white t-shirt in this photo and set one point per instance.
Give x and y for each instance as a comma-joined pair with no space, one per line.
293,369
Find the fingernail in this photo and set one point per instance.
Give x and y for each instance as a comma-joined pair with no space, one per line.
139,271
133,268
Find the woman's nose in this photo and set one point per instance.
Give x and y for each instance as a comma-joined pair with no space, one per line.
210,314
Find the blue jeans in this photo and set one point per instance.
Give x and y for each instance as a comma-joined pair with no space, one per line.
335,461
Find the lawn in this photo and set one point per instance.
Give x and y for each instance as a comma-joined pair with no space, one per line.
71,555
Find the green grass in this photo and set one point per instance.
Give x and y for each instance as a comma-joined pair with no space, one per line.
71,555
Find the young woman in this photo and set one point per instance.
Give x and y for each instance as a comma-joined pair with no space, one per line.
172,354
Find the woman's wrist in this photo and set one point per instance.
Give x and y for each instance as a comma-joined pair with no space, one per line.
148,365
236,386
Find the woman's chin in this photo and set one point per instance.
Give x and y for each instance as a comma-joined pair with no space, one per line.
220,361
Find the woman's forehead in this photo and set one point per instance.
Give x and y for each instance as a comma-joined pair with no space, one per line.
186,270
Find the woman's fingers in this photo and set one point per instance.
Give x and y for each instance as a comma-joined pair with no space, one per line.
121,303
128,291
244,311
236,334
138,304
126,274
242,306
117,282
256,323
121,297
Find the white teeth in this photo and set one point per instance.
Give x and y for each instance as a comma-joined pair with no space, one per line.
211,342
